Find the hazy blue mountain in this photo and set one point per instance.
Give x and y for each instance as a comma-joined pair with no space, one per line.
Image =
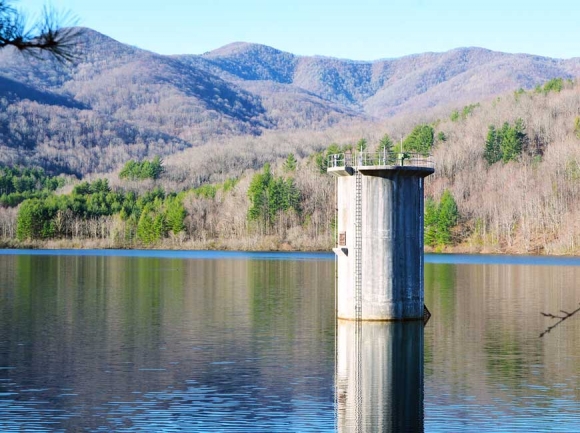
383,88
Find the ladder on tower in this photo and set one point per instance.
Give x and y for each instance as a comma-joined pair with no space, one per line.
358,415
358,247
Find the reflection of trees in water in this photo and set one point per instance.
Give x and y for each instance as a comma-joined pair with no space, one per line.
485,328
174,336
277,300
506,356
440,298
553,316
440,287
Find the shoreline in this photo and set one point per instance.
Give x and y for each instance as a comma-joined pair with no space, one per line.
326,256
257,245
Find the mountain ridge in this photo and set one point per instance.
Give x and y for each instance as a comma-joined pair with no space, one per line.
375,87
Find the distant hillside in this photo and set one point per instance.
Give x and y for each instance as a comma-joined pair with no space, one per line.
383,88
118,102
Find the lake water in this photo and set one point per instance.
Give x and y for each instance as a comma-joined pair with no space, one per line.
208,341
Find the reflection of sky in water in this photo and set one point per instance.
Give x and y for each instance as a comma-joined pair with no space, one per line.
481,259
181,254
196,408
165,341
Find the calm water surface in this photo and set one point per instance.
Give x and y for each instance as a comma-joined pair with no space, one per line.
189,341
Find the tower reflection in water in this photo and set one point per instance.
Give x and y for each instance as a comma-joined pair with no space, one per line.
379,376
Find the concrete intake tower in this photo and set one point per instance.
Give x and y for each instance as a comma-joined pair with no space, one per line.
380,234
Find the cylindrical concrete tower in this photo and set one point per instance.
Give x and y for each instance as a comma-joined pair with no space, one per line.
380,235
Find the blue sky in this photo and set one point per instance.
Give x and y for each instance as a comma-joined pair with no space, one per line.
353,29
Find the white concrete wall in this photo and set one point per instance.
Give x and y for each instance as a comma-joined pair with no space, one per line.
392,244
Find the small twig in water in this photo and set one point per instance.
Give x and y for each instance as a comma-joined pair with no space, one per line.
551,316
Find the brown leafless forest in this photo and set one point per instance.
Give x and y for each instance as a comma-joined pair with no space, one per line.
527,205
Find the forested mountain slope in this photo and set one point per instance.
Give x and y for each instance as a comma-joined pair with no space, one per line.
507,179
118,102
383,88
513,166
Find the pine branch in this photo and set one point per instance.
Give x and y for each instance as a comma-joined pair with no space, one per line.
53,33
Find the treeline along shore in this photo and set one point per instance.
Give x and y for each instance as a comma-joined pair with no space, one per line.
506,181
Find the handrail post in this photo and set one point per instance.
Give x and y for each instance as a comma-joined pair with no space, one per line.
368,159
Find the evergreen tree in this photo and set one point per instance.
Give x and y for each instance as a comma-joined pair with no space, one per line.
511,143
361,145
175,215
99,185
386,146
492,152
505,144
34,221
152,225
155,168
159,227
19,184
270,195
83,188
447,217
290,164
468,110
554,85
129,170
276,197
145,227
440,219
134,170
430,222
420,140
258,194
292,195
